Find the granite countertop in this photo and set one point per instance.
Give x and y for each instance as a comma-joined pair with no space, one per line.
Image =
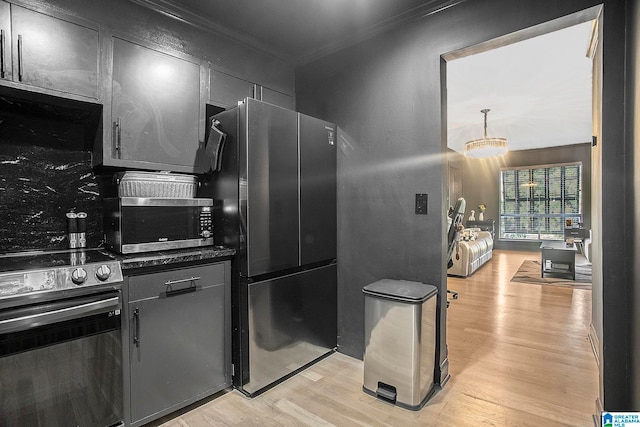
159,258
41,259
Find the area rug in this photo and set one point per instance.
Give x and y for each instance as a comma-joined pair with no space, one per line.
529,272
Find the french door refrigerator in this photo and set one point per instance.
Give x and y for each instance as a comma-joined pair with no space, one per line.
275,199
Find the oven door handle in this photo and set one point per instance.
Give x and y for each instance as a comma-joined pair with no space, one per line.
17,324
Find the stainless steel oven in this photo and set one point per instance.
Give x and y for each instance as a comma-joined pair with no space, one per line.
60,341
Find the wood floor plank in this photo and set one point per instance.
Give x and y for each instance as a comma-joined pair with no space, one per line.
519,355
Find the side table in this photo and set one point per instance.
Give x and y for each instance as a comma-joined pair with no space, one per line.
558,257
578,235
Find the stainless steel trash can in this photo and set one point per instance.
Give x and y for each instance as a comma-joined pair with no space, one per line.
400,342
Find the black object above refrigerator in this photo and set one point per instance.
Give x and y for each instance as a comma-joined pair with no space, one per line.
276,205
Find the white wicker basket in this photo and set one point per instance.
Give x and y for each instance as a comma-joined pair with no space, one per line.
151,184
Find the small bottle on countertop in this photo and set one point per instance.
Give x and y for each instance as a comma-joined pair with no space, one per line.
82,229
72,229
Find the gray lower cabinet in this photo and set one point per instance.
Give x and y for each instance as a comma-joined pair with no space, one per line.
178,338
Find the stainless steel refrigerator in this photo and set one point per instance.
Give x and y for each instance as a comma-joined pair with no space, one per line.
275,203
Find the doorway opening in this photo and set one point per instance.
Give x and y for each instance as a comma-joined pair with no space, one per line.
520,121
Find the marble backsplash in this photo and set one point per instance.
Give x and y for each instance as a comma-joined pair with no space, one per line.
45,172
38,186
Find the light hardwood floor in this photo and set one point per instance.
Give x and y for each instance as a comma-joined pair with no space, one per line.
519,356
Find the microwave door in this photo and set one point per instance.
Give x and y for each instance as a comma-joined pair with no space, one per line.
144,224
139,225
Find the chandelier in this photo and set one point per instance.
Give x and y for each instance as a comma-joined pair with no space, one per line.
485,147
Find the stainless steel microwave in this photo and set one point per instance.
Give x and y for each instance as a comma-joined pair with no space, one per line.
137,224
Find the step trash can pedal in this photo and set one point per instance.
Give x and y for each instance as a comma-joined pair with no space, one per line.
399,358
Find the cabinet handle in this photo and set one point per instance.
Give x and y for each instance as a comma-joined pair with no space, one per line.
175,292
136,327
256,92
117,136
20,57
173,282
2,54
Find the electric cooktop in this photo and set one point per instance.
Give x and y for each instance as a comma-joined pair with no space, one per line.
41,271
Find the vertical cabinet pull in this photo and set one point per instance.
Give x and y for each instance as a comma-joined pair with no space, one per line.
117,136
136,327
20,57
2,54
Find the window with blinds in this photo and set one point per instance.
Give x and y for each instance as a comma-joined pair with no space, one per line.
537,201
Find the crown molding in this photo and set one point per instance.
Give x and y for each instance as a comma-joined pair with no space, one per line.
168,8
427,8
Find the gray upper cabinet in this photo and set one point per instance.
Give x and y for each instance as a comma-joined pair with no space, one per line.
226,90
155,110
277,98
5,41
48,53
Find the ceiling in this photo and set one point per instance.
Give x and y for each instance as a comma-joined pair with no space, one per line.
538,90
296,30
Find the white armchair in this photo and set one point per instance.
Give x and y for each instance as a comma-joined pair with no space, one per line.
470,255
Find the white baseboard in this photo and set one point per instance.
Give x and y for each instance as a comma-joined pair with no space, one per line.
597,417
595,344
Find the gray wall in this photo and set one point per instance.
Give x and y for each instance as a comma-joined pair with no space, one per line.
616,247
385,95
481,182
633,93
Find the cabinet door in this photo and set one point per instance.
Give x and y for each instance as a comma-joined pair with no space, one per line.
5,41
277,98
227,90
54,54
179,355
155,107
